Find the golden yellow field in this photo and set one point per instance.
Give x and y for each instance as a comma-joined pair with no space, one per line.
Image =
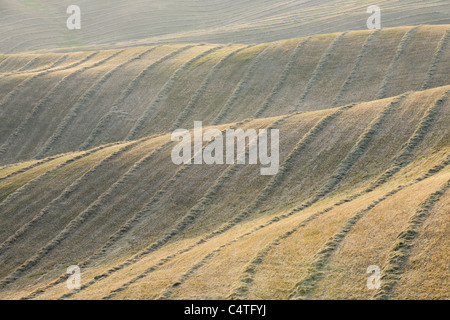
87,179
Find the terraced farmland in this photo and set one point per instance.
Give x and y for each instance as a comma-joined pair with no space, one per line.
86,176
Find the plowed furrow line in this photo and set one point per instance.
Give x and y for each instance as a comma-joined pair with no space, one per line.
401,250
354,73
71,226
255,63
393,66
16,71
34,165
344,166
436,58
125,94
319,69
284,168
163,93
55,64
29,64
192,214
60,86
130,223
25,83
403,159
52,66
360,147
283,77
169,235
148,208
82,101
194,100
103,199
78,63
4,61
28,186
355,153
316,272
169,291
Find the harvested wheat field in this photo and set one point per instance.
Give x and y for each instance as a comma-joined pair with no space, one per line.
87,170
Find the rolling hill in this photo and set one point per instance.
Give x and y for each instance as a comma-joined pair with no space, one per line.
86,176
131,93
31,25
142,227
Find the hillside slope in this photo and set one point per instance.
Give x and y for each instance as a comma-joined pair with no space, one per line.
31,25
61,102
359,185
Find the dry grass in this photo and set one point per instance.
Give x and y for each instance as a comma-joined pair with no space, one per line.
354,181
147,95
31,27
195,260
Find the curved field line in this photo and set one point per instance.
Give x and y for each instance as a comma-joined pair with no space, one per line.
53,65
282,79
436,58
32,183
393,66
241,85
20,22
36,164
192,213
41,40
349,81
125,94
265,23
192,103
185,221
25,67
163,92
417,137
78,105
102,199
357,150
133,220
78,63
4,61
16,91
398,163
142,26
18,71
259,199
146,208
247,278
48,98
29,184
322,257
320,66
400,252
355,153
205,200
69,228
